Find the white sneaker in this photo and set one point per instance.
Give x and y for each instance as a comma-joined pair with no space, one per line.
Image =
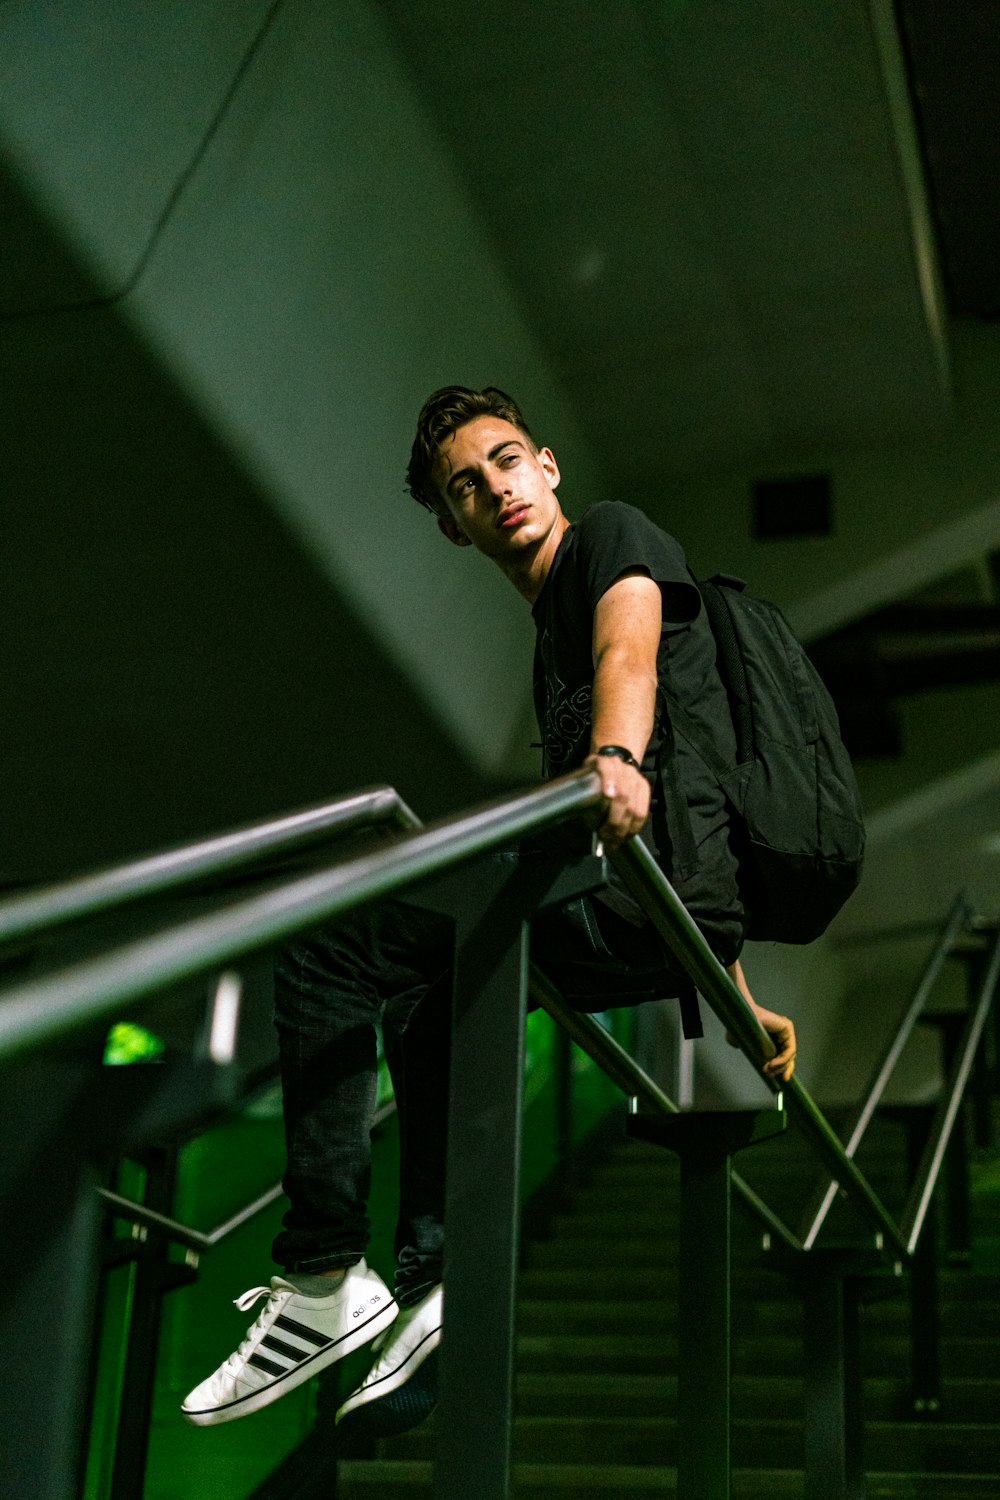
400,1389
292,1340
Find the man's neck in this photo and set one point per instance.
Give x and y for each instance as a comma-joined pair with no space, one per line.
528,571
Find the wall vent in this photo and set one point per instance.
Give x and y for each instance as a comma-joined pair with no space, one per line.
797,506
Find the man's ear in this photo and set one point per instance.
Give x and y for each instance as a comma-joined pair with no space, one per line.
547,459
449,527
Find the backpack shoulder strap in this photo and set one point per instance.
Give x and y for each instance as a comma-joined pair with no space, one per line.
729,663
729,658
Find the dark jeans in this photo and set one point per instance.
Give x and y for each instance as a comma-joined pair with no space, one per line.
390,965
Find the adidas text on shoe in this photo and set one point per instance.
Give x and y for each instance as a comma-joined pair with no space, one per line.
292,1340
400,1389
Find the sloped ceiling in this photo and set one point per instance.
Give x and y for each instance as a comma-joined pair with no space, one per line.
713,214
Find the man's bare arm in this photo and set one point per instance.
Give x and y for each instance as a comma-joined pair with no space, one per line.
627,625
779,1028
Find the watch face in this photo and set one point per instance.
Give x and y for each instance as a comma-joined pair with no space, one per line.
619,752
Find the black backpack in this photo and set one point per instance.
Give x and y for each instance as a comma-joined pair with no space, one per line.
798,829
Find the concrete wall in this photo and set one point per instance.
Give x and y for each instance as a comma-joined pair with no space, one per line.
238,260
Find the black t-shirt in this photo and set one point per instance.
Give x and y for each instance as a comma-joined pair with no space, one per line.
612,539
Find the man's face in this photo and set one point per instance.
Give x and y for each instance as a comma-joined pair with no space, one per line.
500,495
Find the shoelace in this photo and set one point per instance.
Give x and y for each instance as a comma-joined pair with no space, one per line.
244,1303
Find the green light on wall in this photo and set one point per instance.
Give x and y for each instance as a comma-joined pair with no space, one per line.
128,1044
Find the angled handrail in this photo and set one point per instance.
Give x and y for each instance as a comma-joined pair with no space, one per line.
663,906
915,1212
609,1055
854,1131
676,926
183,1234
202,1240
55,905
635,1083
49,1007
588,1034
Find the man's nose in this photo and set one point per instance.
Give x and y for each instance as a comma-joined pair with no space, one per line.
500,486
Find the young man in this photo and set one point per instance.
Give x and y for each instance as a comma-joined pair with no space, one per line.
619,621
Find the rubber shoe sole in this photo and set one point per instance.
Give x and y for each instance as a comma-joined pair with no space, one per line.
406,1403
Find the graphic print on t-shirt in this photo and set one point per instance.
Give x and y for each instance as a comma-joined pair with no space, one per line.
565,718
567,722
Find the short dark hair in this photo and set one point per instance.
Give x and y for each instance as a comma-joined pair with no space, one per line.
442,414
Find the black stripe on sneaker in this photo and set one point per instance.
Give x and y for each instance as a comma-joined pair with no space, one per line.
300,1331
267,1365
293,1372
277,1346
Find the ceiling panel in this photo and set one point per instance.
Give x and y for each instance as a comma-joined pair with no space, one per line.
701,203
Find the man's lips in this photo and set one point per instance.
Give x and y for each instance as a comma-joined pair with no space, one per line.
512,515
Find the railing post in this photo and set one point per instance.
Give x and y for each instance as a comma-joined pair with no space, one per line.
925,1322
957,1223
52,1218
925,1308
705,1144
481,1214
563,1061
834,1425
155,1275
491,902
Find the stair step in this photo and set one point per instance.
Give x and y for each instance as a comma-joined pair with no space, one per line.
596,1393
657,1312
412,1481
583,1250
636,1441
649,1316
640,1224
559,1283
803,1175
778,1353
885,1399
958,1289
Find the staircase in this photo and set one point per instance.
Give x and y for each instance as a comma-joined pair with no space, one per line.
597,1354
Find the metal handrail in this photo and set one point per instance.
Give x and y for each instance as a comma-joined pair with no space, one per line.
55,905
589,1035
601,1047
44,1009
676,926
915,1212
854,1131
197,1239
50,1007
662,905
635,1083
183,1234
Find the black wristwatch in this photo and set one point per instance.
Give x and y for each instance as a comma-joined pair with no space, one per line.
620,753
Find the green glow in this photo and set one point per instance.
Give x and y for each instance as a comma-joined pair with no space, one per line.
128,1043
